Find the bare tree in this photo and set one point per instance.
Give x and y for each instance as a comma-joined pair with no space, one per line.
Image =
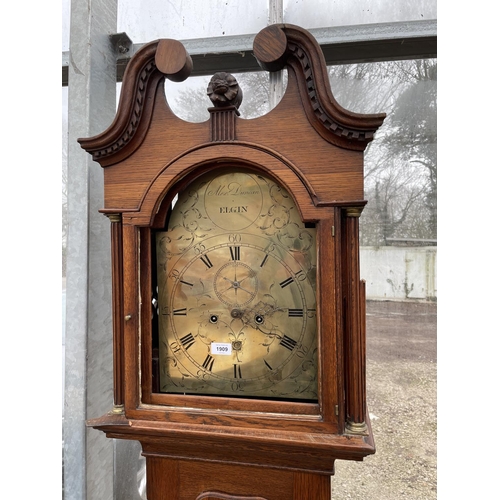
417,128
401,164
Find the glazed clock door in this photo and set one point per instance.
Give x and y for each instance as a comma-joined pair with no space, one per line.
236,276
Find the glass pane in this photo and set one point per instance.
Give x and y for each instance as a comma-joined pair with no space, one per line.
321,14
401,163
146,20
398,256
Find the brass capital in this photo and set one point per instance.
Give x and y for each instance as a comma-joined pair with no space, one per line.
358,428
114,217
353,211
118,409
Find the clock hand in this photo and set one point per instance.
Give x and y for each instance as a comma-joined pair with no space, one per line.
244,289
236,285
245,278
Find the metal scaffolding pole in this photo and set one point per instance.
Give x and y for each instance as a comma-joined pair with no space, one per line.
340,44
88,455
275,78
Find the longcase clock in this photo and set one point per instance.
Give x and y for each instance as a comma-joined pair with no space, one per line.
238,309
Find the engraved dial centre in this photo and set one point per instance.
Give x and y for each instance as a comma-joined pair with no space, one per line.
235,284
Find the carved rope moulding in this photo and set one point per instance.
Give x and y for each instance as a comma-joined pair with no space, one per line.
319,111
133,124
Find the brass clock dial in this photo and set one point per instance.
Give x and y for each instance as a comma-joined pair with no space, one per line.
236,273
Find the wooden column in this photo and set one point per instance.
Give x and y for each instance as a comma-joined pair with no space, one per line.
355,331
116,276
131,311
223,124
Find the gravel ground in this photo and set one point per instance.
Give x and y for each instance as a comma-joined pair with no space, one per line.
401,394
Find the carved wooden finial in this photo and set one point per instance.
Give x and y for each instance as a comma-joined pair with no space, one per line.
223,90
172,60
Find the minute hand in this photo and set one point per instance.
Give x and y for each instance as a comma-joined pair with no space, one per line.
236,285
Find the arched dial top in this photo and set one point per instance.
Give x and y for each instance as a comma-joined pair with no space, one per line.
236,273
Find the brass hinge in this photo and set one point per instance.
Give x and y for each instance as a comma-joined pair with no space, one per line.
337,410
333,230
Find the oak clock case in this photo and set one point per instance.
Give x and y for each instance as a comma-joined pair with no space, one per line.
236,281
238,309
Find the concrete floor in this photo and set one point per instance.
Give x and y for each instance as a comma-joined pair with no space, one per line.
401,395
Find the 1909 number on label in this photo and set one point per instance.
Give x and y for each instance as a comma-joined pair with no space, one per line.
221,348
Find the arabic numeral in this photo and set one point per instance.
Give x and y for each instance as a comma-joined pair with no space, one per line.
301,352
236,386
270,248
300,275
199,248
175,347
234,238
174,274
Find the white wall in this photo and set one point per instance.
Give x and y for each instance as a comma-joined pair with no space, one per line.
399,273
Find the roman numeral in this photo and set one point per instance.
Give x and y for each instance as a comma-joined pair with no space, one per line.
264,261
208,363
295,313
237,371
206,261
186,283
180,312
187,341
235,253
288,343
286,282
268,365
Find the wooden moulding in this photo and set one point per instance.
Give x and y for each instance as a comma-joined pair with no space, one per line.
274,47
299,451
145,72
217,495
284,44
